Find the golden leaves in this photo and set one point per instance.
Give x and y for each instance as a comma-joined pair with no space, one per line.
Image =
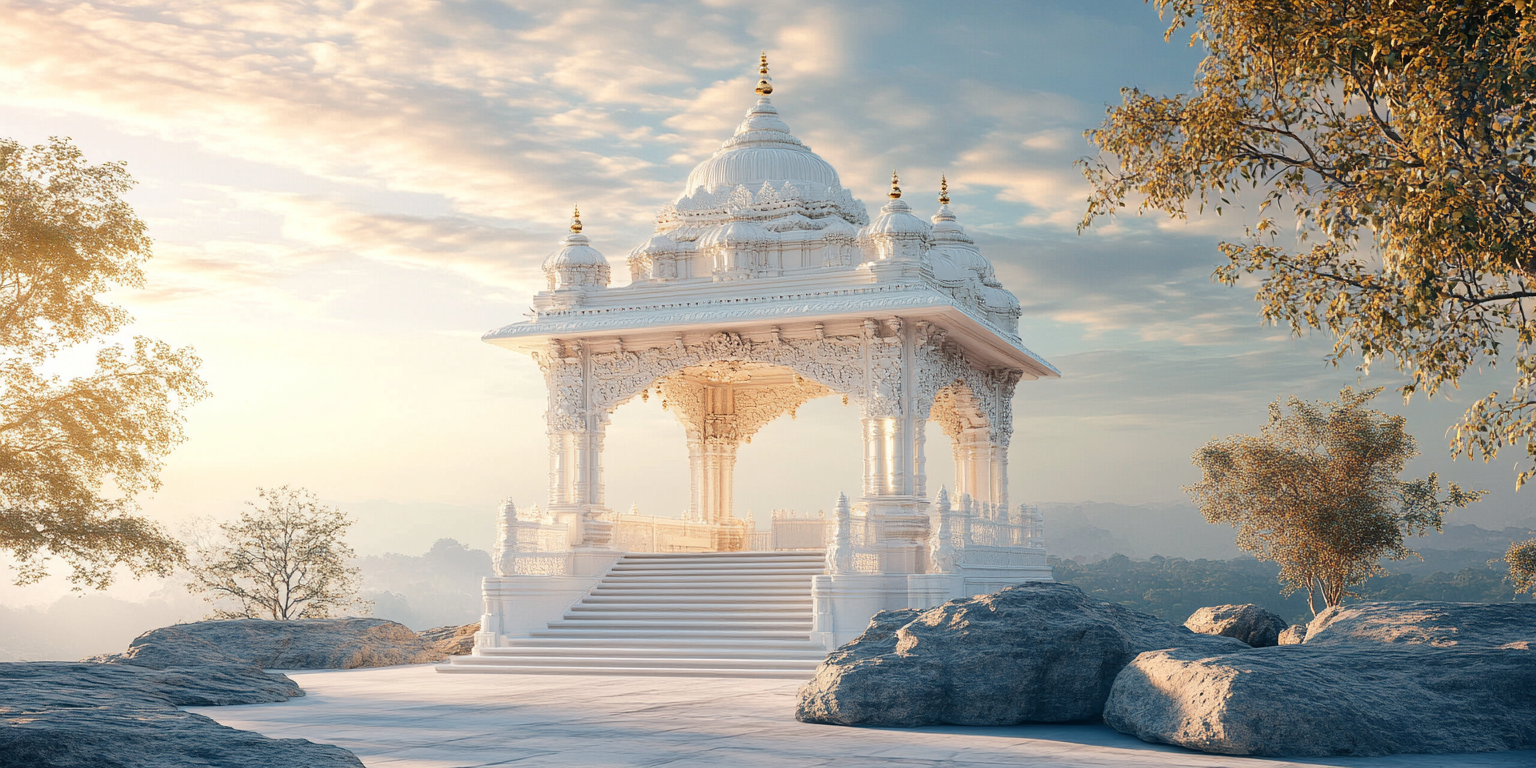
65,238
1401,137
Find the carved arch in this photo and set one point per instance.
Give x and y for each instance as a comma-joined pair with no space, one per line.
836,363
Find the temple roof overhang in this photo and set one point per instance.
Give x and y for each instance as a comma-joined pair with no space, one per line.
652,318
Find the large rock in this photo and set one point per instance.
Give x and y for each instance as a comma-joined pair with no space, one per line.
1424,622
1295,634
42,685
453,640
87,714
304,644
1306,700
1248,623
1038,652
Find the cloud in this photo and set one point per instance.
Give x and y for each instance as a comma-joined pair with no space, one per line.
490,255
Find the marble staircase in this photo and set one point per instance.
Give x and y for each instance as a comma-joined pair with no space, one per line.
708,614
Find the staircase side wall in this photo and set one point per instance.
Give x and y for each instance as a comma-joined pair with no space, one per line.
518,605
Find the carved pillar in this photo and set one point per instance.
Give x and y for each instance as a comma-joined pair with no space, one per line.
575,444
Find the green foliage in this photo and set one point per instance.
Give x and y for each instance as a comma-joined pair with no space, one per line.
66,237
1317,492
1174,588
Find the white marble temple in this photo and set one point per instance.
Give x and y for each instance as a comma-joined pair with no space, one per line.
412,717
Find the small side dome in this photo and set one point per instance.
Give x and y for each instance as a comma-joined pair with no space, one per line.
966,256
577,265
896,217
656,244
947,272
946,229
736,234
838,227
1000,301
950,238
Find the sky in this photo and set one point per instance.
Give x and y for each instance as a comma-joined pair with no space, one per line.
345,196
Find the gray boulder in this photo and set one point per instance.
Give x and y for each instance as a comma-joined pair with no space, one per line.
1295,634
86,714
1037,652
305,644
45,685
1248,623
1425,622
158,738
1306,700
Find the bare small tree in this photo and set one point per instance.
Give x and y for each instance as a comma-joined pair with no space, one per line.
283,559
1318,493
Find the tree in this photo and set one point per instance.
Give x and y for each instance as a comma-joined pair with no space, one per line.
1521,558
1317,492
66,237
1401,138
283,560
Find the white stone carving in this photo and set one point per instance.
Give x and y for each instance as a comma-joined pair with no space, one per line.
840,552
764,285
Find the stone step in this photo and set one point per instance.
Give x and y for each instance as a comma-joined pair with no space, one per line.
706,573
633,650
630,671
679,636
669,644
717,614
732,579
693,556
747,612
684,601
763,564
684,626
694,662
686,619
705,588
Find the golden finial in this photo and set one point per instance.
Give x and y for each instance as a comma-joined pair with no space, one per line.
895,189
943,190
575,218
764,86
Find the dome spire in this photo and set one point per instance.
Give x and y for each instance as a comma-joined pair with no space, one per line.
575,218
895,187
943,190
764,82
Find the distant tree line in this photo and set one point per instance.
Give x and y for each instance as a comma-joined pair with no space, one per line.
1173,588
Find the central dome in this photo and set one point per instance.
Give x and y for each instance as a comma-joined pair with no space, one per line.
761,151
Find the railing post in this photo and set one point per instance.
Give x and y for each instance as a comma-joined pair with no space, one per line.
941,548
840,554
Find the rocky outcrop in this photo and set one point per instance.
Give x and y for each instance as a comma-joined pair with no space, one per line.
304,644
1341,699
67,714
452,640
1295,634
1037,652
1424,622
1248,623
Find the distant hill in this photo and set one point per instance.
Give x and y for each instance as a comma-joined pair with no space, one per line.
1173,588
435,589
1093,531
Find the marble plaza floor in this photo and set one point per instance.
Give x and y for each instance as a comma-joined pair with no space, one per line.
414,717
